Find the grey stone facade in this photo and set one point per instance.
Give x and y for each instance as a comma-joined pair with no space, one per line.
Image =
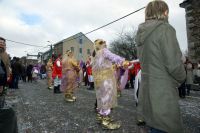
192,9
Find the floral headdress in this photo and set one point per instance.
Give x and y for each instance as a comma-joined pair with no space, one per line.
99,44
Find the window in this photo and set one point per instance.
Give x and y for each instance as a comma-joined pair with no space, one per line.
72,49
88,51
80,50
80,40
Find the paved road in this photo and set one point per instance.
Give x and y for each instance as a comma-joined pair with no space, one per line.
41,111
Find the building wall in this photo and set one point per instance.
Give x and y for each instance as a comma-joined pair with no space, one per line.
192,8
45,57
23,60
76,45
27,62
58,49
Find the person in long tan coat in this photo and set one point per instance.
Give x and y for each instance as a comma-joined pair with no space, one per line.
8,119
5,63
162,71
49,68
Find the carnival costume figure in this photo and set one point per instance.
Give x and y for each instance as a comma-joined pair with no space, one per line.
49,68
69,79
105,83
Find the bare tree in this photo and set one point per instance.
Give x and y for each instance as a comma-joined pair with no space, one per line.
125,45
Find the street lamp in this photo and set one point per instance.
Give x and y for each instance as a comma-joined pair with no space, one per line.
51,48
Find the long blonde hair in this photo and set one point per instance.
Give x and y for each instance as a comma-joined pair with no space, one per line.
155,10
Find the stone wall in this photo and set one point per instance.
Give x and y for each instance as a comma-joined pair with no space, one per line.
192,8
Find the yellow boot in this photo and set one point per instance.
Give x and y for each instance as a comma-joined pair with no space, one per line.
99,118
108,123
69,98
119,93
72,96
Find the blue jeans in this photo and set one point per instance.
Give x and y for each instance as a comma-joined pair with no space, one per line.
154,130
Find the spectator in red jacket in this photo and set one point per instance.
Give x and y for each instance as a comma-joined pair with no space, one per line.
57,74
89,73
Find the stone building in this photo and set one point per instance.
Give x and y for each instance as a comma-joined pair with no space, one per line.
78,43
45,56
192,9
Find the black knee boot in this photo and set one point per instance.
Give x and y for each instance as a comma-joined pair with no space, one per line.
95,106
92,85
55,89
58,89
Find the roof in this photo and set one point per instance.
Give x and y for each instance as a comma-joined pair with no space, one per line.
80,34
46,51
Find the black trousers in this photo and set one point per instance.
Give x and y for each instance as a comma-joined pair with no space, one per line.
132,77
188,89
30,77
182,90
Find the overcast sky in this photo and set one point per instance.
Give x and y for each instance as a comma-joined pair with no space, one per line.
39,21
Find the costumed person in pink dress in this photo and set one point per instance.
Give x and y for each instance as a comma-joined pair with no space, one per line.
117,76
105,83
70,73
35,73
119,71
57,74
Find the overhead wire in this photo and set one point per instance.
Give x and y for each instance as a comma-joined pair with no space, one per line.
106,24
82,34
23,43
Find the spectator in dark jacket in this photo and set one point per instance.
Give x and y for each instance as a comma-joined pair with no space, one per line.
42,71
29,72
23,73
16,71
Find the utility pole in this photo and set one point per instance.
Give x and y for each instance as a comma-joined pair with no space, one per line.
51,48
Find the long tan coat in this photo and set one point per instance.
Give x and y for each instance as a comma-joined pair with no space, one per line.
5,58
49,67
70,74
162,72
